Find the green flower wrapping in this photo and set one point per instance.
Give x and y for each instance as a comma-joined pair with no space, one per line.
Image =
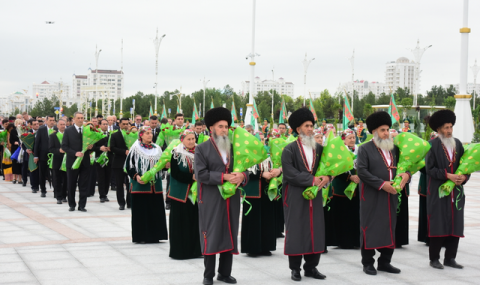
28,139
469,163
276,149
92,158
103,158
336,159
193,193
130,138
63,167
202,138
168,134
412,151
6,153
247,151
89,137
290,139
165,158
50,160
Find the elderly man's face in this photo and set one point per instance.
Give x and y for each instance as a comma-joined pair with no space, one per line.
446,130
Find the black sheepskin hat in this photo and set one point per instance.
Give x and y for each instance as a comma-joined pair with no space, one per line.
299,117
378,119
440,118
217,114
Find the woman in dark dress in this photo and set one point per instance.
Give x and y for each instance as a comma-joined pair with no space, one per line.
183,220
345,213
7,162
149,224
259,229
15,143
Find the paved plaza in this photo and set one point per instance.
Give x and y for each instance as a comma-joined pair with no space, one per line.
43,243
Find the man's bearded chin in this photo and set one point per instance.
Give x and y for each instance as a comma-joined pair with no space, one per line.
447,142
222,142
386,144
307,140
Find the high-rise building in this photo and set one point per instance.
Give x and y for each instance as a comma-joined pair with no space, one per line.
48,90
77,82
363,87
113,79
470,87
401,73
281,86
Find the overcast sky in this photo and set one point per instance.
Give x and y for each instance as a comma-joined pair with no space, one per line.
212,38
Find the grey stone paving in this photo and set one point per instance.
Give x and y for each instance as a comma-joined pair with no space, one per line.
42,243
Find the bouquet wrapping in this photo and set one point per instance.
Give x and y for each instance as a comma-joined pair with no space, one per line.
165,158
336,159
202,138
469,163
193,193
28,139
276,149
50,160
92,158
63,167
103,158
169,134
90,135
130,138
248,151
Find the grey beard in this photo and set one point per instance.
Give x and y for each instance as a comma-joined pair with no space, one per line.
386,145
447,142
308,140
223,142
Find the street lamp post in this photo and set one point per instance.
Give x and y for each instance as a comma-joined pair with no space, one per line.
475,69
249,113
121,93
417,54
464,125
204,90
97,54
157,41
306,63
352,62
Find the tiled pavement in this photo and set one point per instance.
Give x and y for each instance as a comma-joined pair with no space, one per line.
43,243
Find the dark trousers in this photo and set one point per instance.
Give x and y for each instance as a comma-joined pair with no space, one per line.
81,175
24,170
103,176
311,261
368,254
34,179
168,199
224,266
44,174
60,184
93,180
450,243
120,181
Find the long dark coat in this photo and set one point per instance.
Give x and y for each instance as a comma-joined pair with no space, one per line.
218,218
304,219
444,219
378,209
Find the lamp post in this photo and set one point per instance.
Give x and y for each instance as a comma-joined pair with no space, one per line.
475,69
97,54
417,54
251,55
306,63
352,63
464,126
157,41
204,90
121,93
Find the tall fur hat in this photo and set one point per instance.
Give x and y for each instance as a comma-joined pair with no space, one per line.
378,119
299,117
440,118
217,114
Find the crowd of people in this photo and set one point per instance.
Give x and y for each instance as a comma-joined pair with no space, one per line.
208,225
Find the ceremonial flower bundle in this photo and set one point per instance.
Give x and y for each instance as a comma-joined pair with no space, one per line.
103,158
90,135
165,158
276,149
469,163
248,151
336,159
130,138
28,139
412,151
168,134
193,193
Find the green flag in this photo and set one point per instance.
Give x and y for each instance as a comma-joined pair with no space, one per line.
393,111
347,113
254,115
151,111
211,104
234,113
195,116
283,114
164,113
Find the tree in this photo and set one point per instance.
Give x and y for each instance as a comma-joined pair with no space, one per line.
450,102
367,110
407,105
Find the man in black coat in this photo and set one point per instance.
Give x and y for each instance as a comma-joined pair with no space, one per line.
33,124
155,127
137,123
112,126
119,148
103,171
59,176
40,152
72,145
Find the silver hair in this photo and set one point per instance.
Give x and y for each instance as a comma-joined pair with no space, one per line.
384,144
447,142
307,140
222,142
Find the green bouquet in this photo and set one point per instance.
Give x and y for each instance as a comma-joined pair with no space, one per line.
50,160
63,167
248,151
412,151
202,138
336,159
469,163
28,139
165,158
103,158
130,138
90,135
193,193
169,134
276,149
